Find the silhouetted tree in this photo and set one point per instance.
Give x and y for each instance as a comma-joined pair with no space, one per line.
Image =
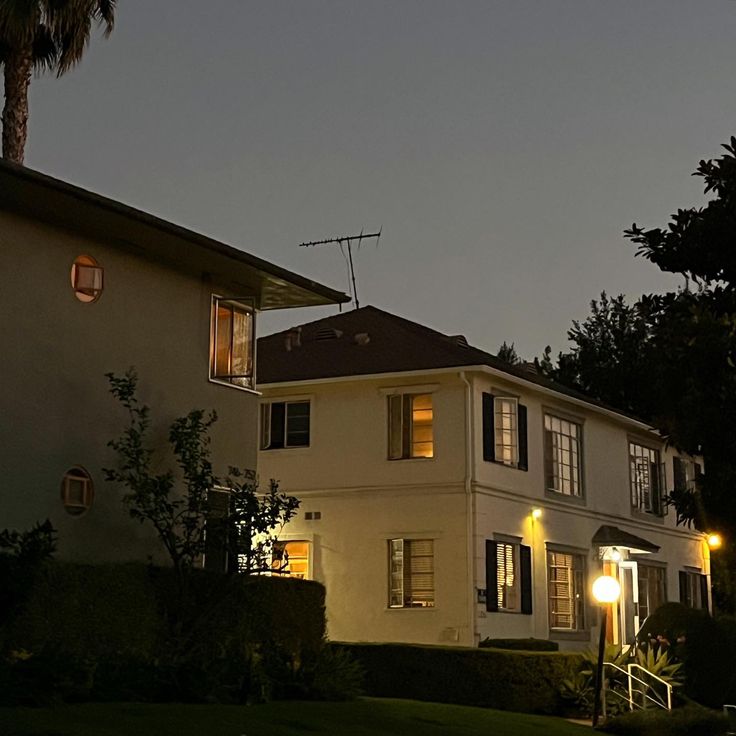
508,353
41,35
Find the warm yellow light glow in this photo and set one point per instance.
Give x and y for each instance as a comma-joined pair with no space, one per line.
606,589
536,514
615,555
714,541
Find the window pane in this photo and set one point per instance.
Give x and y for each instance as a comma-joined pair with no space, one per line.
422,435
297,424
505,411
394,428
222,340
562,455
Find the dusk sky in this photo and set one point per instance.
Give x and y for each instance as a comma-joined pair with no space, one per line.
502,146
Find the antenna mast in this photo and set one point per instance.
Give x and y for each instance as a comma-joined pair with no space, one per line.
349,240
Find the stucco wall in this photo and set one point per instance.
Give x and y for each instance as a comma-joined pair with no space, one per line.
56,410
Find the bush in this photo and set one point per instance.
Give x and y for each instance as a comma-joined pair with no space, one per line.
706,648
527,682
525,645
119,632
691,720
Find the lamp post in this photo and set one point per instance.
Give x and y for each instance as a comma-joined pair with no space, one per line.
606,590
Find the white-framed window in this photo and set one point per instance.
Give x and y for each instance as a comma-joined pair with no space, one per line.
291,558
285,424
232,341
506,430
410,432
686,473
507,576
411,573
562,456
77,491
87,278
693,589
566,590
645,473
652,588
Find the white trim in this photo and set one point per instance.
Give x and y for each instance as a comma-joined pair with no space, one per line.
410,388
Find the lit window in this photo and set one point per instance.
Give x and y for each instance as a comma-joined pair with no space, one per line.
566,577
87,279
652,589
284,424
411,573
507,576
231,360
410,426
506,431
562,457
77,491
646,485
291,559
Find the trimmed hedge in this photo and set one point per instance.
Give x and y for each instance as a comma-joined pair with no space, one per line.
126,632
524,645
691,720
526,682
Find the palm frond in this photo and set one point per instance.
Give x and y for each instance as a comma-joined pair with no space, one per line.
19,20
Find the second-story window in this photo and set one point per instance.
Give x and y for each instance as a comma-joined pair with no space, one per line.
284,424
562,456
645,473
504,431
232,342
410,426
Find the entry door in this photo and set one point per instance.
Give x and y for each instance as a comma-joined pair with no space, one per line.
629,601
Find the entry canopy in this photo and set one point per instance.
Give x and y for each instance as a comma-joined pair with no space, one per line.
612,536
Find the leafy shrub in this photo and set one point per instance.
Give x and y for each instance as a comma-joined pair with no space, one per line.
706,648
527,682
526,645
334,675
690,720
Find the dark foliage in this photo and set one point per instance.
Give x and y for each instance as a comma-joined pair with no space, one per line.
691,720
527,682
525,645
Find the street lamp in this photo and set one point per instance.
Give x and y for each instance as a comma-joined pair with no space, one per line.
606,590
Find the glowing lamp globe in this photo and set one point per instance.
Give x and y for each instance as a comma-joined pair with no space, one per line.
606,589
714,541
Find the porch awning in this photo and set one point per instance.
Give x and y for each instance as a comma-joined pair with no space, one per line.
612,536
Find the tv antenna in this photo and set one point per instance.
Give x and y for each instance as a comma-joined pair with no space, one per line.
349,240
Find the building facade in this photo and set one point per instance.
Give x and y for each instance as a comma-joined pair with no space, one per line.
448,497
94,287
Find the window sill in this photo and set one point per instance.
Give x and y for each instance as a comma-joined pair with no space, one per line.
291,448
235,386
415,459
564,498
515,466
411,608
647,516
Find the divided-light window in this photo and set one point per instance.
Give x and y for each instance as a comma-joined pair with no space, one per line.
77,491
410,426
566,580
291,559
562,456
411,573
232,348
646,475
285,424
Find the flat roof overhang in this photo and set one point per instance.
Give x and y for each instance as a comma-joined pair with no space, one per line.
38,196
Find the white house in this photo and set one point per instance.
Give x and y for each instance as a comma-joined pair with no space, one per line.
448,496
91,286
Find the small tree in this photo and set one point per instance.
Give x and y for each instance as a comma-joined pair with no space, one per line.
176,503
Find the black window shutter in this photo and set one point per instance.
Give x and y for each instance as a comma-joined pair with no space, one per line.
525,565
523,444
278,424
683,588
678,468
704,592
491,576
488,428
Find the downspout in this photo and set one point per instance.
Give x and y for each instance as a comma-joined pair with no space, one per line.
469,505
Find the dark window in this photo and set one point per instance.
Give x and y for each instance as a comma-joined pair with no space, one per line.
285,424
646,479
652,589
693,589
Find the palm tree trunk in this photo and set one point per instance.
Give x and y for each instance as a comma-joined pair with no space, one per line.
17,72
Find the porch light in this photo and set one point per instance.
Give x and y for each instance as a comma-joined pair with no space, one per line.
536,514
606,590
714,541
615,554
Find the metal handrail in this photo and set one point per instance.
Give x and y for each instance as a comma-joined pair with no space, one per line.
631,678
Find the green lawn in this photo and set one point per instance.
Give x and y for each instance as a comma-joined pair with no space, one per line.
364,717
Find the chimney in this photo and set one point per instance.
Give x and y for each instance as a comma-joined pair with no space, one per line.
293,338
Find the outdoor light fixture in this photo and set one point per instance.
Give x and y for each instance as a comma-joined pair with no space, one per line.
714,541
606,590
536,514
615,555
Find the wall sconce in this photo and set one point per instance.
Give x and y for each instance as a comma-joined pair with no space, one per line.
714,541
536,514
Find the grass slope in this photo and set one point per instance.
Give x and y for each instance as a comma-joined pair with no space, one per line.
364,717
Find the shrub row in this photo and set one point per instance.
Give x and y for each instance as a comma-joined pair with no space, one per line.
127,632
527,682
691,720
525,645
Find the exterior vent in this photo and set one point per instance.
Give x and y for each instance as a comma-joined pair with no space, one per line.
460,340
361,338
328,333
530,367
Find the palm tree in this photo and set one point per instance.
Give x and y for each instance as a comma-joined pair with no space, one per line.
41,35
